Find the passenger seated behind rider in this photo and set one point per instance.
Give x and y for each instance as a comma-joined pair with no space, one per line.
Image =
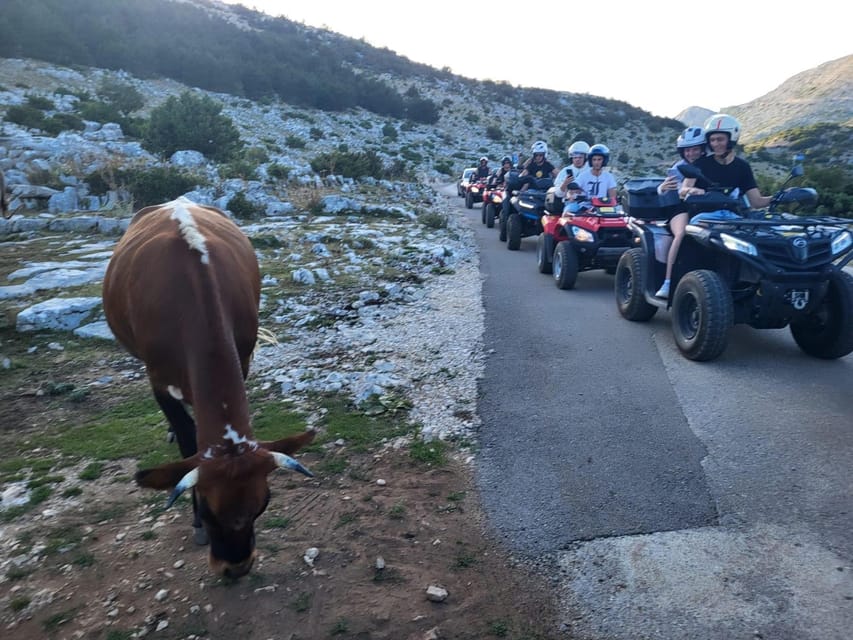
577,163
690,146
499,176
595,181
722,167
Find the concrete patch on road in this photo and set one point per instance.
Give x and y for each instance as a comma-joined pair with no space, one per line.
712,584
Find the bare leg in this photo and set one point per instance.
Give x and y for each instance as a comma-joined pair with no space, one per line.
677,225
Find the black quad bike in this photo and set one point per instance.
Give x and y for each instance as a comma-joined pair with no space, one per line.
767,269
525,212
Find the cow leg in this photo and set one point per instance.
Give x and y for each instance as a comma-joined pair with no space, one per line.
182,425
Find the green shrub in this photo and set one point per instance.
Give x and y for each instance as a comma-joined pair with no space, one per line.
389,131
26,116
63,122
125,98
158,184
192,122
278,171
98,111
349,165
315,133
242,208
40,102
239,168
294,142
494,133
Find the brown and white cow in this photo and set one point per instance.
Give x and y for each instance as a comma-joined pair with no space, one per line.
181,293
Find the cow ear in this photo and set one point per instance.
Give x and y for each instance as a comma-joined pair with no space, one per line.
166,476
291,444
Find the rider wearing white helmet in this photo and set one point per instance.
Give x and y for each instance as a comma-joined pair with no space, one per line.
538,166
594,180
722,167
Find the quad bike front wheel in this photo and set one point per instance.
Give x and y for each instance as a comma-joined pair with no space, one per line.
502,220
469,200
490,215
630,285
702,314
545,252
565,266
828,332
513,232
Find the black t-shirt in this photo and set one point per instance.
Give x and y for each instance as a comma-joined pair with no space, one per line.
736,174
537,171
483,171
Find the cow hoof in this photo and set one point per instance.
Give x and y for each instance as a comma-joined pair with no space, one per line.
170,437
200,536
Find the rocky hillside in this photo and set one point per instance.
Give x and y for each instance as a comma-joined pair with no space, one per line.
820,95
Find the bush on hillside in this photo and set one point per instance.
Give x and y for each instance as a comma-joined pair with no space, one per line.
192,122
63,122
348,164
26,116
158,184
125,98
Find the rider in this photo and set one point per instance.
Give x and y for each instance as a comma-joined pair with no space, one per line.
498,177
722,167
594,180
690,146
577,155
538,167
483,168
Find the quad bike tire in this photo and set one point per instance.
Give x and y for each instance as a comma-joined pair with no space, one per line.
513,232
565,266
630,285
483,214
702,314
502,226
490,215
545,252
827,333
469,200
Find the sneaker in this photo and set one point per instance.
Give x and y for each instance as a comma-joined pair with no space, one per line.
663,292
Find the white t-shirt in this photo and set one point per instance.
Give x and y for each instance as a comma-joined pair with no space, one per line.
596,186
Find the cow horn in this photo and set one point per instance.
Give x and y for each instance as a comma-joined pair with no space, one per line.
284,461
186,482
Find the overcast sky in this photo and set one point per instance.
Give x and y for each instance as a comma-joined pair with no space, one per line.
660,55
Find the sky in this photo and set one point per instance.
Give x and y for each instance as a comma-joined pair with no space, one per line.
660,55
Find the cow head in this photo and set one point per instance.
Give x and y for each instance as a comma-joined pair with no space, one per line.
231,491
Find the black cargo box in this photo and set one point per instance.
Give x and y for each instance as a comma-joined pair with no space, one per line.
641,199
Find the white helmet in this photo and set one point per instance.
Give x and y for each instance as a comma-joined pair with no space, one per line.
723,123
579,147
690,137
484,159
539,147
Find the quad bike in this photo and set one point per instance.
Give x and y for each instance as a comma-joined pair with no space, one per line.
464,181
525,213
493,198
475,190
592,235
767,269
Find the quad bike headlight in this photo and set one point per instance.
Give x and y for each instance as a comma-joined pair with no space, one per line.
526,205
841,242
736,244
475,190
582,235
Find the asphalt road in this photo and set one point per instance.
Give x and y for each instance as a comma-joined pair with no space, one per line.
667,499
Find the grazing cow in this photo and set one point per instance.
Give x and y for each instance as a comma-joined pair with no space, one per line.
4,204
181,293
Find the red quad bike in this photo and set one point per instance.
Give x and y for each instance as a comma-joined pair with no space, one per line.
594,235
493,198
474,193
768,269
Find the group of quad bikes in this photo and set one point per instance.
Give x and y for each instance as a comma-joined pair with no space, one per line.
769,269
